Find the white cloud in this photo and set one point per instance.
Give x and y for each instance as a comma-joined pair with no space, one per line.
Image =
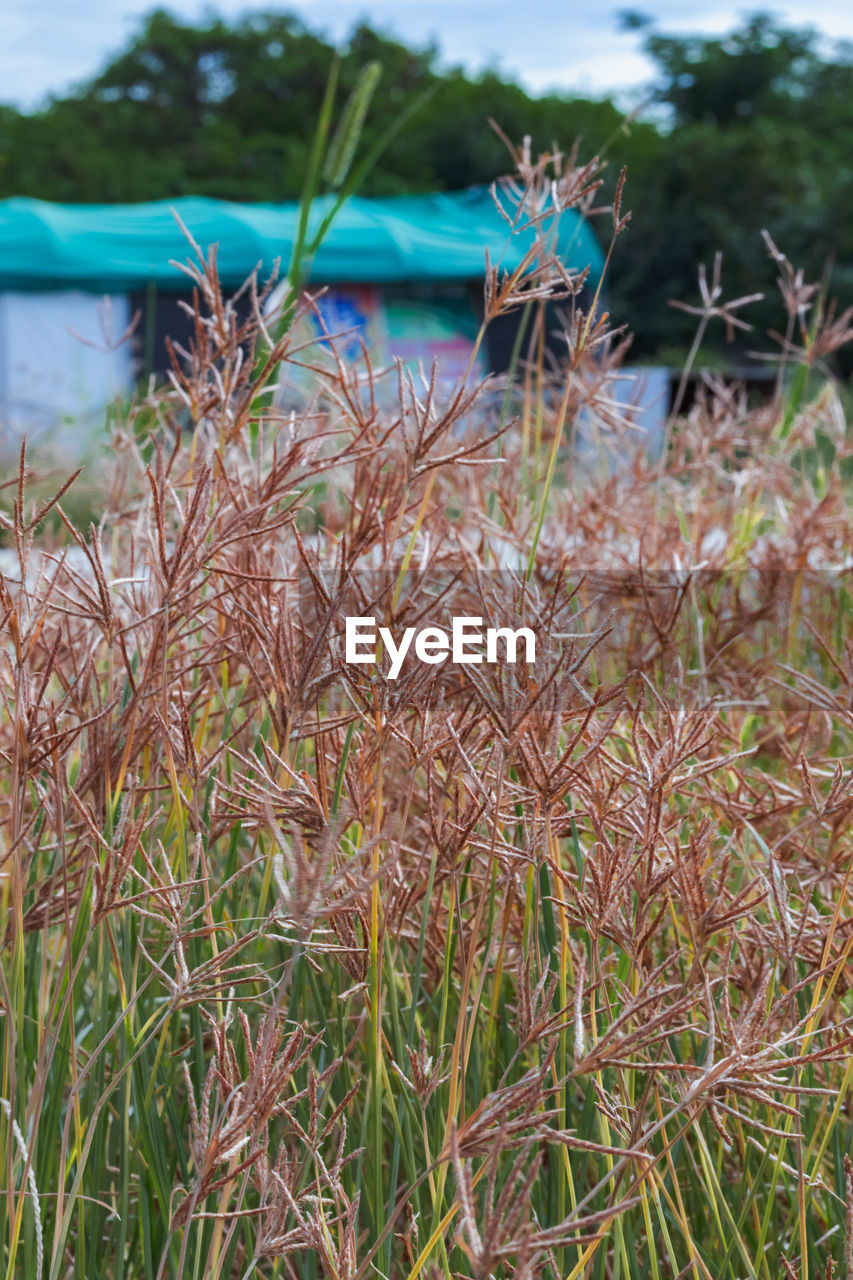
48,45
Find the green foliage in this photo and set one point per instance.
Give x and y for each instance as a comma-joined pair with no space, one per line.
227,110
754,135
756,71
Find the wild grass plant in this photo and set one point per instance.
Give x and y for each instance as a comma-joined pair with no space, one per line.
532,971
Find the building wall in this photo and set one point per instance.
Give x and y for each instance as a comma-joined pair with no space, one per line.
61,364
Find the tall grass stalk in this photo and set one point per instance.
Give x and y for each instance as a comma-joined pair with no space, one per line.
493,971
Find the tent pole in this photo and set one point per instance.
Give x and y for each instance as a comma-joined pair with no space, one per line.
150,328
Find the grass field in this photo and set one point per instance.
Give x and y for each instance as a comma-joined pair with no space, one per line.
484,971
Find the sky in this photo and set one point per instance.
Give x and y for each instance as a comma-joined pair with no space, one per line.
47,46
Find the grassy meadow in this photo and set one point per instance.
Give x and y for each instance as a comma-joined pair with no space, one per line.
480,972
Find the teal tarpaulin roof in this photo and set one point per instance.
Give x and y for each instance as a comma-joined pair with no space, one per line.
121,247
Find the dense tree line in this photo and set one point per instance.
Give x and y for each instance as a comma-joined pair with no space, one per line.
745,131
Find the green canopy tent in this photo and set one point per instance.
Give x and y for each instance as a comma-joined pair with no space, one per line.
118,248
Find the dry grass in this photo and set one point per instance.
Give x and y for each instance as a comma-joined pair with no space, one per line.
484,972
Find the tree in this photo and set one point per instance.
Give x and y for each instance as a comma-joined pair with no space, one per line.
228,110
755,134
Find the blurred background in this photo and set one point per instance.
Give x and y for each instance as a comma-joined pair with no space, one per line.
728,122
